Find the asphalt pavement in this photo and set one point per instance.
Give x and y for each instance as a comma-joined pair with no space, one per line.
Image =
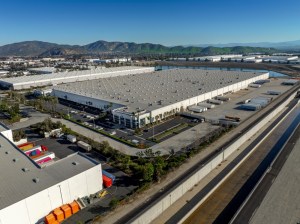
258,195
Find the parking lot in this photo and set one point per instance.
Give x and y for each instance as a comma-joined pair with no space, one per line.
90,118
122,186
231,107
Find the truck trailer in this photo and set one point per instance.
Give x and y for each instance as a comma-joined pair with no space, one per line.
26,146
84,146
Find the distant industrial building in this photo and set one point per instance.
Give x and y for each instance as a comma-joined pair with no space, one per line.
279,59
29,192
3,73
42,70
26,82
248,59
111,60
215,58
139,99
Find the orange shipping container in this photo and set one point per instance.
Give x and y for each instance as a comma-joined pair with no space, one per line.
50,219
59,215
74,207
67,210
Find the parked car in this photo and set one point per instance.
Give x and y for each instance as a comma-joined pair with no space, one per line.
113,133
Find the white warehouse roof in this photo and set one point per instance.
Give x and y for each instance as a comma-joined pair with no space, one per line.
65,77
157,89
17,184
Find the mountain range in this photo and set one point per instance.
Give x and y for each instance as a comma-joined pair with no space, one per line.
45,49
286,45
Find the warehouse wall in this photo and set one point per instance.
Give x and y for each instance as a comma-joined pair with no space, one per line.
36,207
194,100
83,99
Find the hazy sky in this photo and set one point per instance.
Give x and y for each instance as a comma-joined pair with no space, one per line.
156,21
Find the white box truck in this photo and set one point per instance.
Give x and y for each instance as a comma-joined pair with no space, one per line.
71,138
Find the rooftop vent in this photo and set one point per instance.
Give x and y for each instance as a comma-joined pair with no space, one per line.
75,163
25,169
36,180
15,159
7,152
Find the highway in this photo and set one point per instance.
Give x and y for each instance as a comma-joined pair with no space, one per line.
187,207
130,216
257,196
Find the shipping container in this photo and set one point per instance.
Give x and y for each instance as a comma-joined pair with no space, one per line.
59,215
107,182
40,148
189,115
207,105
35,148
71,138
254,85
237,119
50,219
250,106
262,102
262,81
265,98
44,160
196,109
213,101
227,122
271,92
109,175
74,207
222,98
203,108
66,210
43,155
26,146
84,145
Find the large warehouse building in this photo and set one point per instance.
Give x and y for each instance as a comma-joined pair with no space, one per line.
26,82
139,99
28,193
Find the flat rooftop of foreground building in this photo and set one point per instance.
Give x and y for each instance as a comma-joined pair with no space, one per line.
282,202
68,75
18,172
3,127
150,91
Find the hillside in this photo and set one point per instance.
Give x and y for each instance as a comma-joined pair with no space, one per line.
44,49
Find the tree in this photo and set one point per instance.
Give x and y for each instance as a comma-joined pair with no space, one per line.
149,153
18,135
159,166
113,203
148,172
